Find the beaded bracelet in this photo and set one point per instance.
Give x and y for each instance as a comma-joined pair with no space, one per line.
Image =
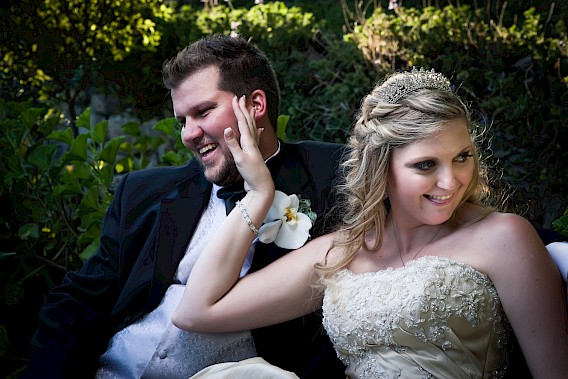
247,217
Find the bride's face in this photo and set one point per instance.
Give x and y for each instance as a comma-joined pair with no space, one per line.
428,179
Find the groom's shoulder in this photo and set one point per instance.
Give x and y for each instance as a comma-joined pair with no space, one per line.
316,150
163,177
164,172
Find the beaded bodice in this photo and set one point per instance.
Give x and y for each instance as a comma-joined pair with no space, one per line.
432,318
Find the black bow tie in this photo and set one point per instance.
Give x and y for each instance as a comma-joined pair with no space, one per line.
233,192
230,194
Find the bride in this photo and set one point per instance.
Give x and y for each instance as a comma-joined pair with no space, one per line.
423,278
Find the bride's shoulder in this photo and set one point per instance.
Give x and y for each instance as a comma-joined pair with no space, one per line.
501,240
494,223
506,225
490,231
505,236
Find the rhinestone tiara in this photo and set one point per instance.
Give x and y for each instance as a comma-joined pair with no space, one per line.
396,88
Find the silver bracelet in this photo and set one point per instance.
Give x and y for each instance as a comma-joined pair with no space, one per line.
247,217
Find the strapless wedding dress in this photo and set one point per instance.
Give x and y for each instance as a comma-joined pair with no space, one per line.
435,317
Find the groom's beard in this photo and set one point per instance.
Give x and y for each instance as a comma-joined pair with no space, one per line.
223,174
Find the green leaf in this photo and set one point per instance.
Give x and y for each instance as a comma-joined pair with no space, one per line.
156,142
89,203
98,134
84,120
91,224
124,165
89,250
42,156
72,188
561,224
31,115
65,136
281,126
107,174
131,128
109,152
49,124
172,158
167,126
27,231
78,150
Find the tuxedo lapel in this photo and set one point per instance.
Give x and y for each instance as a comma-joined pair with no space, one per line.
289,173
291,177
178,219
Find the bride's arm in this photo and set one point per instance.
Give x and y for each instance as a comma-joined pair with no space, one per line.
212,302
530,290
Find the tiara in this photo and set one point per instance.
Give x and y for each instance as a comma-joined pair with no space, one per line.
393,90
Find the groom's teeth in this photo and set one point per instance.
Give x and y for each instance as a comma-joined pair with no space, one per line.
206,148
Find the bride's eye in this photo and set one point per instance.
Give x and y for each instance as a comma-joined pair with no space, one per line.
425,165
463,157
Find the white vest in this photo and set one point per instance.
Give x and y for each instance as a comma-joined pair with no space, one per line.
153,347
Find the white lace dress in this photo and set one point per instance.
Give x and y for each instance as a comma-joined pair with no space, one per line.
433,318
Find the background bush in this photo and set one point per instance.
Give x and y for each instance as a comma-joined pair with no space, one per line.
61,151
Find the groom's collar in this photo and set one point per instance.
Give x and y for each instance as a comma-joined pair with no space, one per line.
233,192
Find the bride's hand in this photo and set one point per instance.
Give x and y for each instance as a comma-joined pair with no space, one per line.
247,156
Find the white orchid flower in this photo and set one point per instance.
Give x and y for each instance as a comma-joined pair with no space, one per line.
284,224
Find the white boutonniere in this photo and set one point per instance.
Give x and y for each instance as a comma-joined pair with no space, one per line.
288,221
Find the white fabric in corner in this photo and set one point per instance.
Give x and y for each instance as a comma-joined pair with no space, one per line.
559,253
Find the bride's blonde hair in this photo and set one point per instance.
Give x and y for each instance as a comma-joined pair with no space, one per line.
396,113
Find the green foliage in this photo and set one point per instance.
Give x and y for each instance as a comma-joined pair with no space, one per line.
511,69
561,224
59,186
322,94
282,122
322,79
57,49
56,188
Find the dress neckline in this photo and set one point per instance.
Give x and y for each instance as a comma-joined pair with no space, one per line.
413,263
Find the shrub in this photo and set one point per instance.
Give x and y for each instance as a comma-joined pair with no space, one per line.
514,74
55,190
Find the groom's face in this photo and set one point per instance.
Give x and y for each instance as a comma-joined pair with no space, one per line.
205,112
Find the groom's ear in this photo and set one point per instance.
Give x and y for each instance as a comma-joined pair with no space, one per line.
258,101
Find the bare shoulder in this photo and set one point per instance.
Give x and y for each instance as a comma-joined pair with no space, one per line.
508,241
509,229
488,220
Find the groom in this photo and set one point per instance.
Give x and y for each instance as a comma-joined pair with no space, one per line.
112,318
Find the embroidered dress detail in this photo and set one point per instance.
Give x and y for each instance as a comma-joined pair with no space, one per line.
432,318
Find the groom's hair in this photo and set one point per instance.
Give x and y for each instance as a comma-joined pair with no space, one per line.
242,67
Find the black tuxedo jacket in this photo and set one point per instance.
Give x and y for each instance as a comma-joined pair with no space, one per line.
146,231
